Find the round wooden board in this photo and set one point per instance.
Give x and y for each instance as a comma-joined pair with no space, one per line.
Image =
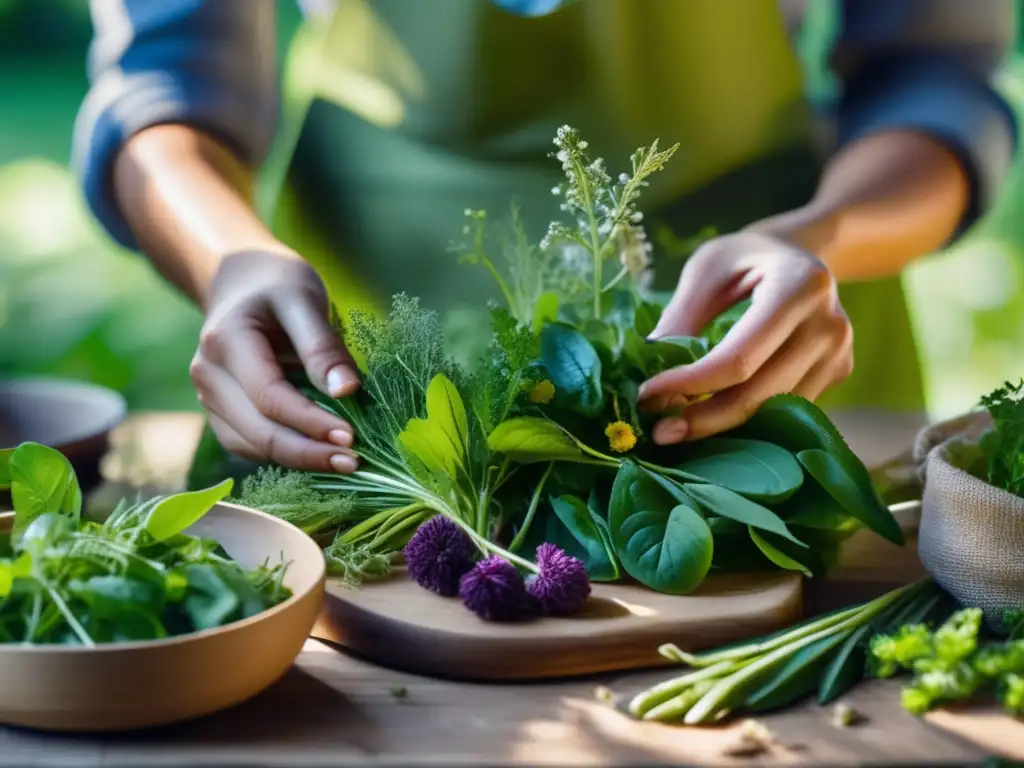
396,623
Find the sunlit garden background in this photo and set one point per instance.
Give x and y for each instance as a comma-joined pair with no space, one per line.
73,305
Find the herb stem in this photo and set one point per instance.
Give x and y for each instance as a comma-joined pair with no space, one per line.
531,511
615,280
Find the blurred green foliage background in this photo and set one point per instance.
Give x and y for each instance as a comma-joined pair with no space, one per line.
71,304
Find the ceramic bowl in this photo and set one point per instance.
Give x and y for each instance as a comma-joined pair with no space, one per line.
73,417
127,686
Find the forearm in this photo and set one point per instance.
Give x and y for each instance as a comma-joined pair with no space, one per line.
883,202
187,199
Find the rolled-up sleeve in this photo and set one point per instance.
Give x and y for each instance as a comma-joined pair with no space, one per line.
926,65
207,63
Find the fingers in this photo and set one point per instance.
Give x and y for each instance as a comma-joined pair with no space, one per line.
251,362
238,422
781,303
817,356
323,354
707,287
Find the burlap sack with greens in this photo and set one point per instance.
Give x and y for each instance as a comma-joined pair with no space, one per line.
972,523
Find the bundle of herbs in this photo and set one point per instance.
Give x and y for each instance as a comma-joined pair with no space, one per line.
535,458
135,576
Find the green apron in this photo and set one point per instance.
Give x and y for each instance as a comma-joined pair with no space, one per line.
400,115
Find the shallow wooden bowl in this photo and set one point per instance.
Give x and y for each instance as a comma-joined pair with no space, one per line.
74,417
127,686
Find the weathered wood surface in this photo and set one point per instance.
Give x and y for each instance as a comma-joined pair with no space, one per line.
333,709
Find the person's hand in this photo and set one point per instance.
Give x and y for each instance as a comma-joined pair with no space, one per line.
264,312
795,337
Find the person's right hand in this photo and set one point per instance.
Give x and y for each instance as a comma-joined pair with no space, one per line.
265,311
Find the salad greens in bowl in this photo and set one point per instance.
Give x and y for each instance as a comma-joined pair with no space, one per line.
168,609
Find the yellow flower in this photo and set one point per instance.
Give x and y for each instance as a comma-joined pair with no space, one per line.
542,392
620,436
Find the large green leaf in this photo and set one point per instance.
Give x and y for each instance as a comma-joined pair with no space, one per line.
587,531
753,468
528,439
853,492
174,514
445,408
42,482
573,366
726,503
664,545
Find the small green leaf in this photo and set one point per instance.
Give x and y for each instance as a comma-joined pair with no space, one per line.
545,311
528,439
175,514
580,522
209,602
724,502
5,469
847,667
574,367
425,441
664,545
776,555
646,318
42,482
10,570
812,507
858,498
753,468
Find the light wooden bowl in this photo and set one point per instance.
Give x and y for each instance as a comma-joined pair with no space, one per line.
128,686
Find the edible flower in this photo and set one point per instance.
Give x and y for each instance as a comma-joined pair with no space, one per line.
562,587
620,436
438,555
494,590
542,392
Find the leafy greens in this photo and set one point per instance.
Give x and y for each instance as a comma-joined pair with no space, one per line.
135,576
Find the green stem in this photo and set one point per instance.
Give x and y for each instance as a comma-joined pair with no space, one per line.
357,531
644,702
705,709
595,238
615,280
531,511
485,545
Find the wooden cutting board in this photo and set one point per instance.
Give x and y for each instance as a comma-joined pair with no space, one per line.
397,624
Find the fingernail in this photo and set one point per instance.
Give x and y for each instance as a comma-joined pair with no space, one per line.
340,381
670,432
343,464
340,437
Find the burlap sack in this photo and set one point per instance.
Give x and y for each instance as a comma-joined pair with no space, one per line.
971,537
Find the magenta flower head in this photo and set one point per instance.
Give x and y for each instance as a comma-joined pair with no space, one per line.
438,555
562,586
495,591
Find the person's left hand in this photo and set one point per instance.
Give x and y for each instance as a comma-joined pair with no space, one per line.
795,337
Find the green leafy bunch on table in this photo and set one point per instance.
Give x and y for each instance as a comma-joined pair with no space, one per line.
516,481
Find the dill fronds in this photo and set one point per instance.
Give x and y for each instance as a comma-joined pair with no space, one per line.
292,497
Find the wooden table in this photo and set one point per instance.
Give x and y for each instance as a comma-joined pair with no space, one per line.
334,710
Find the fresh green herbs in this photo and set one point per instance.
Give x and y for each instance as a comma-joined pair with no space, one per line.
136,576
955,663
1003,445
823,656
541,440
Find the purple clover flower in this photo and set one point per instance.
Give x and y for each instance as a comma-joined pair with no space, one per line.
562,586
438,555
495,591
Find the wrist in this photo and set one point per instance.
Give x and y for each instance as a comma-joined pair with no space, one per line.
812,228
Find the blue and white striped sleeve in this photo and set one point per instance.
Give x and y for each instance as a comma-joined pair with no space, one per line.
926,65
207,63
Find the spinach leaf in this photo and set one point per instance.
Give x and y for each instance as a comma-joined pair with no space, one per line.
724,502
754,468
210,602
859,499
813,507
174,514
574,367
528,439
664,545
590,536
646,318
42,482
